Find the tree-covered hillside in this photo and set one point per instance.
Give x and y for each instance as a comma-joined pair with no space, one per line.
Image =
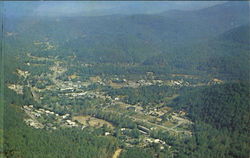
180,41
221,114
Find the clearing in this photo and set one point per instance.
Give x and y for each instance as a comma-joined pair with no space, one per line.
92,121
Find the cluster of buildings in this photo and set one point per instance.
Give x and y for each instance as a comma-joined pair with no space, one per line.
70,85
72,89
178,83
23,73
17,88
35,116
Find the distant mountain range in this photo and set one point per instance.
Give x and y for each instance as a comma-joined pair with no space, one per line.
170,25
87,8
198,40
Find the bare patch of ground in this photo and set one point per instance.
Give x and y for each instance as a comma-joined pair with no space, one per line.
117,153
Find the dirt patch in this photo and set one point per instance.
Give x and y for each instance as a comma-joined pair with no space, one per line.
185,76
168,124
216,80
81,119
116,85
74,76
117,153
95,79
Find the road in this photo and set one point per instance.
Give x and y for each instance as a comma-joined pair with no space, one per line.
117,153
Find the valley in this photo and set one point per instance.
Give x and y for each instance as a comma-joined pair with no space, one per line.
58,103
149,85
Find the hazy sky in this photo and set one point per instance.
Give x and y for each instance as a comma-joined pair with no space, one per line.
66,8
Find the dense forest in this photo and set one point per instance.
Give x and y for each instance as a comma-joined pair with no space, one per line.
221,115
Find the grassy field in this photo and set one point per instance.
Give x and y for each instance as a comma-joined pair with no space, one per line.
92,121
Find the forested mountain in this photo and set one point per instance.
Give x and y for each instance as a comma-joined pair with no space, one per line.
170,37
225,108
157,29
237,35
228,15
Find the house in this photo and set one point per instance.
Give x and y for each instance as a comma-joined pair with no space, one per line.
107,133
143,132
145,129
149,140
71,123
37,114
65,116
157,141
